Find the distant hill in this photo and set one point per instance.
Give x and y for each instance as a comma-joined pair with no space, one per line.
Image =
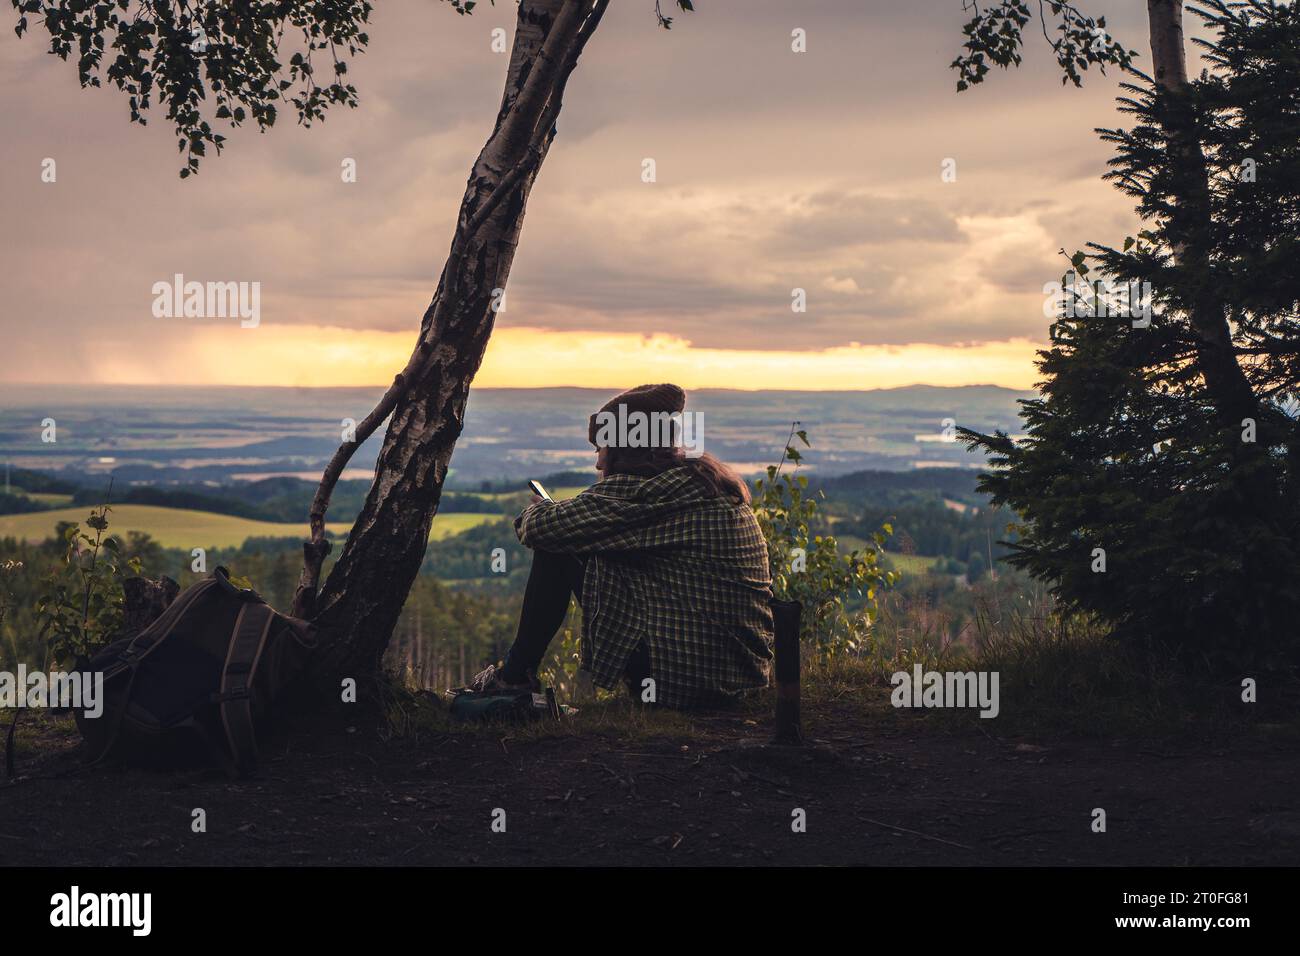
271,500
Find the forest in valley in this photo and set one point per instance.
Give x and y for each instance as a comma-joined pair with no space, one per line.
461,612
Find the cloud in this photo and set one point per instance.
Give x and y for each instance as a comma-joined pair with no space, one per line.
776,171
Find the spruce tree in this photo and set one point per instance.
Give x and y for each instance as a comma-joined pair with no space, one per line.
1144,501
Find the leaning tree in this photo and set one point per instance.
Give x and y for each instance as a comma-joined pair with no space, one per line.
209,63
212,63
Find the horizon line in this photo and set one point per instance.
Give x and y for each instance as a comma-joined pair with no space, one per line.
496,388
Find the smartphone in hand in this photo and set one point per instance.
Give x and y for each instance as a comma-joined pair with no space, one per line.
536,488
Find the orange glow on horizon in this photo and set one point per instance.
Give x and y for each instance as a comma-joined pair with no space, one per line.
300,355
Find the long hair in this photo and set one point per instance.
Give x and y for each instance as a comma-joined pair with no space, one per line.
718,477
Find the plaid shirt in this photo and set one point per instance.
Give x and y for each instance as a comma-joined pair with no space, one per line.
668,565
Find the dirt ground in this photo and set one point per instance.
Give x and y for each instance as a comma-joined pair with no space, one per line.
878,788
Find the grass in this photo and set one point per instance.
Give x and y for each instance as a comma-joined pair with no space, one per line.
412,713
1059,674
185,528
1064,674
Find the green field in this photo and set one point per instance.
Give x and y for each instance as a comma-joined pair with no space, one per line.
906,563
45,497
911,563
50,499
183,528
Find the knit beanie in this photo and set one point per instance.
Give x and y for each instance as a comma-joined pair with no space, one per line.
647,399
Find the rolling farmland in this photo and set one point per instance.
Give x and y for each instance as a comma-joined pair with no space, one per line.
182,528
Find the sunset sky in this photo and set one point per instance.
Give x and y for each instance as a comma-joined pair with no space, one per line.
775,170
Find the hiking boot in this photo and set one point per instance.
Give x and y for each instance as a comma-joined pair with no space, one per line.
489,681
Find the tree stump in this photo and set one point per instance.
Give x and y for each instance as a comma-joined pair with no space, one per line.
144,601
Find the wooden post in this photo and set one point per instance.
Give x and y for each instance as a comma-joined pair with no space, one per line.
785,617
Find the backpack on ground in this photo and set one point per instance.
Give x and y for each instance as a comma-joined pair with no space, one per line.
199,683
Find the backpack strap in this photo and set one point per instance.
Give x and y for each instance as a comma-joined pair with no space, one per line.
246,643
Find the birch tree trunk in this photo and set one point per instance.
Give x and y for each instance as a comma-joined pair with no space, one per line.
360,602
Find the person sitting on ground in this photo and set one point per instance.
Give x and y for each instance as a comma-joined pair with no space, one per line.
664,556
